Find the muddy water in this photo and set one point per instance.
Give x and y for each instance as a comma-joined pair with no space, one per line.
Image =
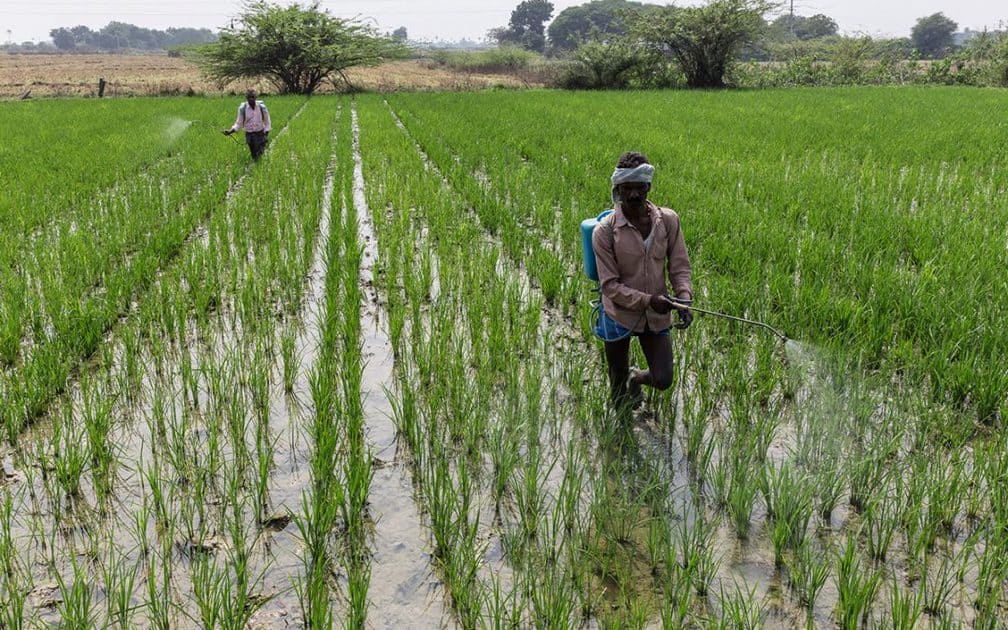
404,590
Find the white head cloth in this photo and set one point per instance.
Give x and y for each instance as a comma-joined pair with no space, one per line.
643,174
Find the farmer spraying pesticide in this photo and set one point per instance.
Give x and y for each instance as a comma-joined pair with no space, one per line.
254,118
638,250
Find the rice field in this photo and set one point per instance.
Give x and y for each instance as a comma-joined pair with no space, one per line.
353,384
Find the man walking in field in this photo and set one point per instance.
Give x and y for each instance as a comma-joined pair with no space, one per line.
254,118
635,247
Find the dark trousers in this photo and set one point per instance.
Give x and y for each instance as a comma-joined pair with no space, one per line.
658,353
256,142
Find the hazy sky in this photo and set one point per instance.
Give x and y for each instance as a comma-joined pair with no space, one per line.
22,20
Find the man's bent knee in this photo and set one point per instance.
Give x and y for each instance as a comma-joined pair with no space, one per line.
661,379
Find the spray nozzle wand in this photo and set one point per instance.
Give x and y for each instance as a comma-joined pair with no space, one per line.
732,318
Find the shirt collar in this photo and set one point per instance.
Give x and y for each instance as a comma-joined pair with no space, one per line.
620,220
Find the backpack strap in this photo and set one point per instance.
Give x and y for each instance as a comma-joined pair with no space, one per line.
607,221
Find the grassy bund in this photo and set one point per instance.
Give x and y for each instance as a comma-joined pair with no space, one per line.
197,355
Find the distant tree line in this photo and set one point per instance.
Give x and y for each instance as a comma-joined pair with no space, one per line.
119,36
622,43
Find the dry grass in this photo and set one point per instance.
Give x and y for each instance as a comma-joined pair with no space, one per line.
159,75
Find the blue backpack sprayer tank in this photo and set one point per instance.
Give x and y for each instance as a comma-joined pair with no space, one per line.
591,270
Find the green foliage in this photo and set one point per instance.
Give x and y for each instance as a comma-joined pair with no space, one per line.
527,27
991,51
614,65
804,28
494,60
932,35
295,47
598,19
121,36
702,40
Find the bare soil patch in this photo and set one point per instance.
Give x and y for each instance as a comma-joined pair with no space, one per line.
161,75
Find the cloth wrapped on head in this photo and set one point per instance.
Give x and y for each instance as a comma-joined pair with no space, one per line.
643,173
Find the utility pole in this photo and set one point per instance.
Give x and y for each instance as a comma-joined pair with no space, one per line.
792,19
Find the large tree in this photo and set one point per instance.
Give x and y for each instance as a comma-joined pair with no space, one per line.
802,27
296,48
932,35
701,40
527,27
577,24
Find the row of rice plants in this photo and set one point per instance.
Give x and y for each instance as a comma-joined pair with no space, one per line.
165,510
589,528
334,522
829,457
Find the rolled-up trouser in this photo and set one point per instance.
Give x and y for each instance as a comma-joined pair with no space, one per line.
256,142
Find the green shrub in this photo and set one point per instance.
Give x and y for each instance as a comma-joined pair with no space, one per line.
490,61
614,65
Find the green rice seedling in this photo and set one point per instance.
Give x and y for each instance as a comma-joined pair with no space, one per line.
208,590
944,495
313,523
358,473
76,606
8,550
529,496
742,496
70,456
240,600
157,495
904,607
96,412
992,573
701,457
504,608
881,520
553,604
13,604
658,540
677,605
720,477
264,459
119,580
780,536
699,564
808,573
865,477
856,589
830,483
568,502
788,497
258,382
290,358
15,585
504,458
937,584
743,610
358,581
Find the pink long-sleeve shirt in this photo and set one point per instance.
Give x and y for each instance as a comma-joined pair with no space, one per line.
252,118
631,272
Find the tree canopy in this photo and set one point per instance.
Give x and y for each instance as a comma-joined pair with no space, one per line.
932,35
527,27
296,48
702,40
804,28
121,36
592,20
